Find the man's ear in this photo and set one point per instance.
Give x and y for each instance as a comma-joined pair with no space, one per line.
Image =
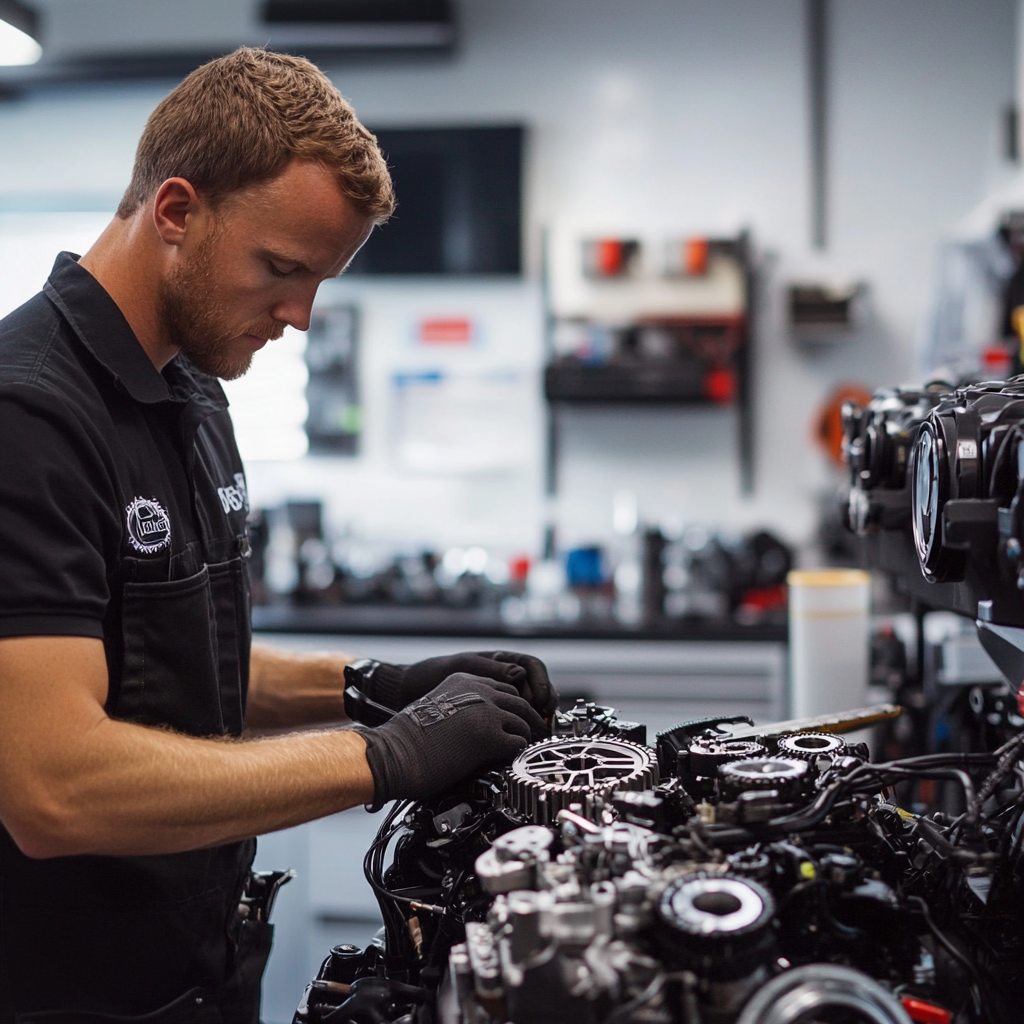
175,203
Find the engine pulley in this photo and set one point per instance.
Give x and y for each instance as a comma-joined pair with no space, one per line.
786,775
706,755
716,907
823,992
548,777
720,925
813,747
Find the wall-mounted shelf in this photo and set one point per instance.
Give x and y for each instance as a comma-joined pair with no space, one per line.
645,336
659,359
625,383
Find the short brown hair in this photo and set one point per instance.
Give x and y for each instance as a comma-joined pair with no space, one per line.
239,120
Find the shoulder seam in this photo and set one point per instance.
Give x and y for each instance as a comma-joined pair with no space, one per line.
44,349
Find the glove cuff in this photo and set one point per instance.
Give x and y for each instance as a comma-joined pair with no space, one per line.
387,686
378,680
376,758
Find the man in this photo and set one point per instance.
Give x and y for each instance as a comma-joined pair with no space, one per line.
128,798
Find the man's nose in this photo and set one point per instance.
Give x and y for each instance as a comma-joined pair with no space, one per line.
295,310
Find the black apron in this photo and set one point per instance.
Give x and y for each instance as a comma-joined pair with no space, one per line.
97,940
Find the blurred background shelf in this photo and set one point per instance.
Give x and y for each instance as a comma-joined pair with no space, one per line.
571,380
389,620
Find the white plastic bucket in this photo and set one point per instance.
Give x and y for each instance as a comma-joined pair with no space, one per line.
829,644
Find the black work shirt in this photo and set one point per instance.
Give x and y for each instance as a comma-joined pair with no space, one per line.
122,517
103,458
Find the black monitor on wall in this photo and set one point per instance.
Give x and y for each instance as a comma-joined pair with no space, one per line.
459,203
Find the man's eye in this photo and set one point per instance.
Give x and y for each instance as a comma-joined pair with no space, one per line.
277,272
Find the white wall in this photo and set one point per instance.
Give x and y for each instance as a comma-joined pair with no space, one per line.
655,115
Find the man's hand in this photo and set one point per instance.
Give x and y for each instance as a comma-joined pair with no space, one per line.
75,781
535,685
396,686
465,723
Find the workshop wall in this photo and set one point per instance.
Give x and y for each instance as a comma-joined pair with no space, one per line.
664,116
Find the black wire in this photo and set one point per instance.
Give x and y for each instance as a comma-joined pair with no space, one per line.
373,866
622,1013
1008,851
459,882
1013,432
873,777
944,940
1008,755
867,776
972,968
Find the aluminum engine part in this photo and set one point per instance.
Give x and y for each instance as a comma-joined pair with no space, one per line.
785,775
721,926
823,992
553,775
716,908
706,755
817,748
754,864
483,959
511,863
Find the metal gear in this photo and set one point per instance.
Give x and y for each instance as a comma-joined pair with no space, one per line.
720,925
716,908
784,774
549,776
812,746
706,755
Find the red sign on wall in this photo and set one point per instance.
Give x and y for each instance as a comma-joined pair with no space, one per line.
449,330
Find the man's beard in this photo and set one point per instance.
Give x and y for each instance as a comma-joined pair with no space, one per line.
196,322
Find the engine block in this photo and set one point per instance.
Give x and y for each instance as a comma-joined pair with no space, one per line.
722,876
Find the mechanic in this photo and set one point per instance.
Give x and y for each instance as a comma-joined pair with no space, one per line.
129,795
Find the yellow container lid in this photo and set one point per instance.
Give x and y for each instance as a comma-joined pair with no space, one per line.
827,578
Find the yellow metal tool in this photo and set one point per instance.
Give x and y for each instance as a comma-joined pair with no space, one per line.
837,722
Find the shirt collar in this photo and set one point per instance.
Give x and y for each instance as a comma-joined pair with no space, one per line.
101,327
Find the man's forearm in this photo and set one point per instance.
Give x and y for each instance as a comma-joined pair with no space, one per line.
287,690
73,780
129,790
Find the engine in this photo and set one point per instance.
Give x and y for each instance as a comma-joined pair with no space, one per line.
728,874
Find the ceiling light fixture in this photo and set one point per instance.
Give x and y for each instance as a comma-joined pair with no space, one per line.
19,30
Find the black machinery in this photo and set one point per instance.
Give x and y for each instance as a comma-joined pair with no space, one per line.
727,874
731,873
936,489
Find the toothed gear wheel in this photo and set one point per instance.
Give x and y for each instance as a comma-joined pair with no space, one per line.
549,776
706,756
809,746
784,774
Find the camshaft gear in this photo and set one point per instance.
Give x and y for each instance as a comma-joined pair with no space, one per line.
817,748
706,755
786,775
552,775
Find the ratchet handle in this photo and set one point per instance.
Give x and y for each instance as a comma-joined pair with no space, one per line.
360,708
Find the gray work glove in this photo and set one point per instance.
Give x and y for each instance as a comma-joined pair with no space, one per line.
460,726
395,686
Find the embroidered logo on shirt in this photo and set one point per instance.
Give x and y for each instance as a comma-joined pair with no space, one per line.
234,499
149,527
